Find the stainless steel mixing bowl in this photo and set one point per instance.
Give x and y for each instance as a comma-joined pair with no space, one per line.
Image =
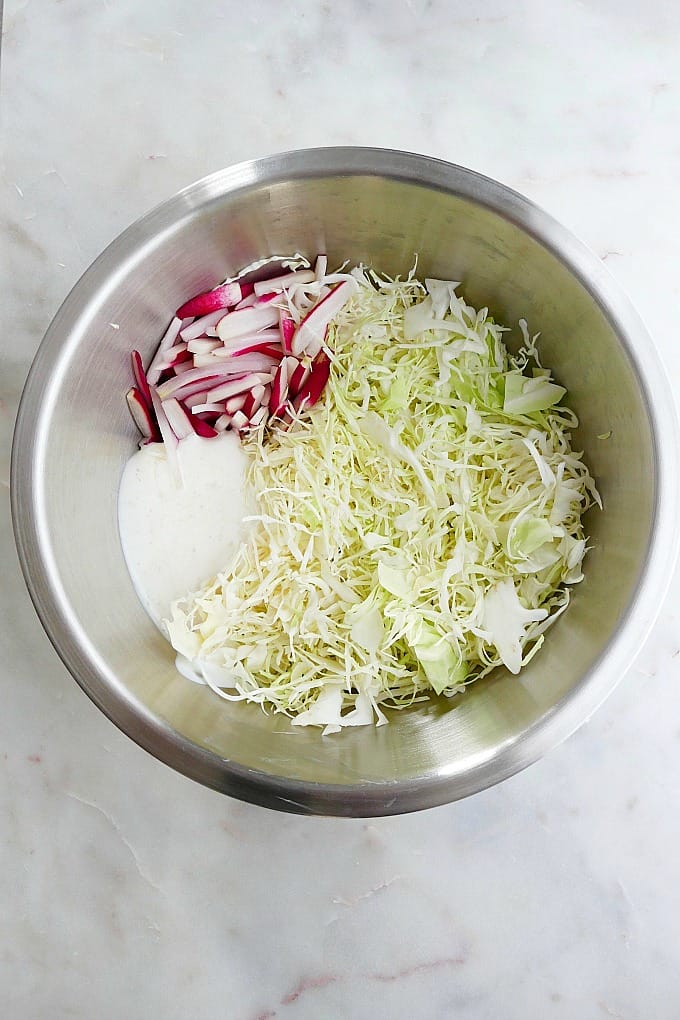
74,435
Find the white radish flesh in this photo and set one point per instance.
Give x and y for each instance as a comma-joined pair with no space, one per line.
259,416
201,325
202,346
178,418
239,385
279,283
205,408
196,398
234,404
166,343
196,375
169,438
247,320
320,267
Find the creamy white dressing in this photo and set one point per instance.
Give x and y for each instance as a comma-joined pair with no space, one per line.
175,538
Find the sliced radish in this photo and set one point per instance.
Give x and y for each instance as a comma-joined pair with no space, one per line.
257,361
237,354
247,320
202,346
174,352
171,334
313,387
249,405
259,417
201,325
320,267
312,329
196,375
207,361
196,398
205,407
297,377
226,296
269,336
203,429
140,377
247,302
287,330
178,418
175,358
279,283
279,391
142,414
179,368
238,385
234,404
169,438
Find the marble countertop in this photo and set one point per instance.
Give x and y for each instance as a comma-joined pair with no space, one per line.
126,889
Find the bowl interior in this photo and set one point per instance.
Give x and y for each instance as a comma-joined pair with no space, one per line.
81,436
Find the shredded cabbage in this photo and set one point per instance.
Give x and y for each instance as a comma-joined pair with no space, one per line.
420,526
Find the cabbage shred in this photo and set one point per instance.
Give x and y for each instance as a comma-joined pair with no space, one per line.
420,526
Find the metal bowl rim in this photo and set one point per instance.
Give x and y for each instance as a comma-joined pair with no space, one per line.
428,790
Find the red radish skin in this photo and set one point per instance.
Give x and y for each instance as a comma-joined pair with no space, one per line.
249,405
287,329
297,378
269,349
226,296
177,356
314,386
279,393
203,429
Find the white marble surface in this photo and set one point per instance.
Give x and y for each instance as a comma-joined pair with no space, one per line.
127,890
